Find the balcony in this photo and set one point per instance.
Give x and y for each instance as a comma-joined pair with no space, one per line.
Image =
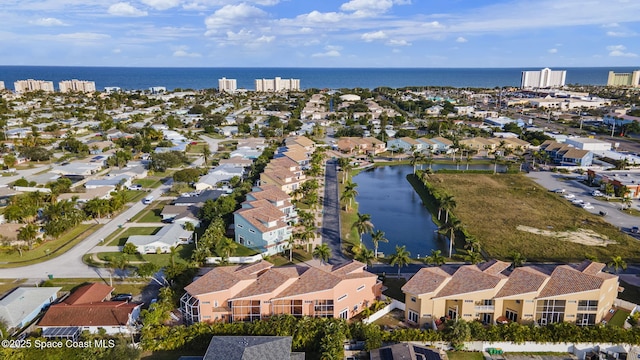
485,308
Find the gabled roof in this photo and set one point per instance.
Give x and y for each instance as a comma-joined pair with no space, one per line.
251,348
89,294
425,281
108,313
224,277
469,278
575,154
522,280
566,280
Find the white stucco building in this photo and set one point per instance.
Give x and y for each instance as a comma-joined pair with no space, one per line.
545,78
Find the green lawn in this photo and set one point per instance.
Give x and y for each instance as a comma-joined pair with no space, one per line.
48,249
134,195
299,255
121,238
196,149
465,355
244,251
619,318
128,286
183,255
394,286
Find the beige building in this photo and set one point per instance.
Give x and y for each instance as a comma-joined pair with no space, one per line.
277,84
624,79
283,172
1,85
259,290
23,86
491,293
227,85
77,86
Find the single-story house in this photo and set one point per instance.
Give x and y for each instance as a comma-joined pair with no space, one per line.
169,236
24,304
102,192
87,308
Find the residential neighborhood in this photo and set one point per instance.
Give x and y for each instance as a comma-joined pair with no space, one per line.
148,216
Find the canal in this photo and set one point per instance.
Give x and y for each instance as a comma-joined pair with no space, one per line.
396,209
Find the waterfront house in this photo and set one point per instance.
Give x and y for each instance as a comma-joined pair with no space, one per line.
284,173
405,144
493,293
259,290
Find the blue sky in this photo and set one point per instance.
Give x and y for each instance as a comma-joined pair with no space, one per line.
320,33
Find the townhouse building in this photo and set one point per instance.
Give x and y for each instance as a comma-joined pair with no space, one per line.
357,145
257,291
566,154
284,173
264,221
493,293
405,144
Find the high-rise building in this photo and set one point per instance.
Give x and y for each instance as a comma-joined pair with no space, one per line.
22,86
277,84
227,85
77,86
545,78
1,85
624,79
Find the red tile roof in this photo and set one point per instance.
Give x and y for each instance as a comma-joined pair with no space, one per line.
567,280
90,293
521,281
108,313
224,277
469,278
427,280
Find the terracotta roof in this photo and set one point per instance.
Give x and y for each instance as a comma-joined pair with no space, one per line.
469,278
521,281
590,267
108,313
301,140
89,294
493,267
313,280
270,281
261,213
224,277
282,161
566,280
427,280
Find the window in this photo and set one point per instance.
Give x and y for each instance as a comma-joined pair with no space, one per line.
323,308
342,297
468,301
246,310
344,314
584,319
241,240
291,307
206,302
588,305
215,303
240,226
550,311
452,313
511,315
360,288
252,231
413,316
486,318
413,299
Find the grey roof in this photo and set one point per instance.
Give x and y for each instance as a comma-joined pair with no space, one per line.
170,235
251,348
200,198
23,301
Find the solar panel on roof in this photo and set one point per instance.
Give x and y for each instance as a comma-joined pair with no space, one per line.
428,353
386,354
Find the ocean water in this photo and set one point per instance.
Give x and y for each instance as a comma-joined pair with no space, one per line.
130,78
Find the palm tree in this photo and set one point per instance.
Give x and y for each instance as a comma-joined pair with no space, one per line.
206,152
517,259
416,158
451,227
472,256
226,247
401,257
28,234
306,235
349,194
472,244
366,256
363,225
323,252
436,258
448,203
617,263
173,251
290,242
378,237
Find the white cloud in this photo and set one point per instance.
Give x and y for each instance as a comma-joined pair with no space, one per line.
460,39
231,15
161,4
433,24
552,51
49,21
620,34
184,53
83,37
265,39
318,17
116,51
329,53
125,9
395,42
363,8
371,36
619,51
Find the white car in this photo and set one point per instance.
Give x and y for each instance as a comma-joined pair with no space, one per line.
569,196
596,193
577,201
587,206
559,191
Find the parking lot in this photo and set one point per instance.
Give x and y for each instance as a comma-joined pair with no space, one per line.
614,215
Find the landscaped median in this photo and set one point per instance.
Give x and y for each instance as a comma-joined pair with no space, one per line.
510,213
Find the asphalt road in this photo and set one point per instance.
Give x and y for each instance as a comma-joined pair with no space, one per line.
69,264
331,216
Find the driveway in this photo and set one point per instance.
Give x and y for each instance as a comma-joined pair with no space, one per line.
69,264
331,214
615,217
213,143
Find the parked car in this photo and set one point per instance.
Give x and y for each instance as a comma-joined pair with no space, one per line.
596,193
122,297
135,187
577,201
569,196
587,206
635,229
559,191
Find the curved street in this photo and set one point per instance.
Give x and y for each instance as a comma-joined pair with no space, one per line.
69,264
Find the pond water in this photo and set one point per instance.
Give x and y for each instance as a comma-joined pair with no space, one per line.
395,208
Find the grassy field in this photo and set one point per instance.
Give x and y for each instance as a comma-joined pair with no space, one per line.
121,239
491,207
129,286
182,256
48,249
299,255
